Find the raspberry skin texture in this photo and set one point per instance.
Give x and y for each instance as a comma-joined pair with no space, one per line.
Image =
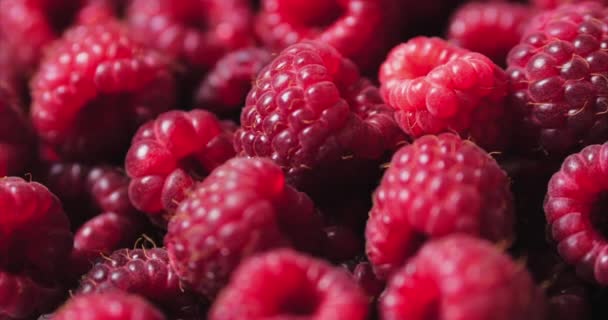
21,297
242,208
284,284
145,272
474,23
169,154
460,277
115,305
558,80
225,88
312,113
438,185
16,137
195,32
31,216
437,87
94,88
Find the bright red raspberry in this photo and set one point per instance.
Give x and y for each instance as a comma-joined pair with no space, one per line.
145,272
437,87
115,305
196,32
226,86
460,277
437,186
575,208
312,113
169,154
491,29
241,208
21,297
283,284
16,138
558,75
94,88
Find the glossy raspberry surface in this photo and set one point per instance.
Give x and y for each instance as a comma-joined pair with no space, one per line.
108,306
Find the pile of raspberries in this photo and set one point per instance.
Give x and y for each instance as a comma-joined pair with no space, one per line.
303,160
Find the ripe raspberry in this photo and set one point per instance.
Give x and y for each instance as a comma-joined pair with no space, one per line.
460,277
145,272
108,306
16,139
283,284
342,243
473,24
169,154
226,86
436,186
363,274
196,32
437,87
558,79
94,88
23,298
241,208
35,236
312,114
552,4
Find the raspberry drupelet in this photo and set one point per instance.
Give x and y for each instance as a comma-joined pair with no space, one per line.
311,113
437,87
16,137
115,305
434,187
558,75
94,88
170,154
241,208
283,284
460,277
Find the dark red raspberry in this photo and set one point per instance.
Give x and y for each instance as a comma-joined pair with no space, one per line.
23,298
575,207
169,154
196,32
559,80
460,277
108,306
242,208
437,186
16,138
312,114
283,284
94,88
342,243
226,86
437,87
491,29
363,274
145,272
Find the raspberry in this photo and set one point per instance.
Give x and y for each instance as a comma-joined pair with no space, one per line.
473,24
460,277
168,155
226,86
196,32
363,274
342,243
16,139
94,88
22,298
575,209
283,284
145,272
558,79
437,87
108,306
552,4
436,186
241,208
312,114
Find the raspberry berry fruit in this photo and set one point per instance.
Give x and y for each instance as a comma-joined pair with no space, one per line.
108,306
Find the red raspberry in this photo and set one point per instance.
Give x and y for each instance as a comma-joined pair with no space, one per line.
552,4
283,284
169,154
458,278
243,207
196,32
16,139
145,272
312,114
226,86
437,87
363,274
23,298
558,78
474,24
108,306
94,88
575,207
437,186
